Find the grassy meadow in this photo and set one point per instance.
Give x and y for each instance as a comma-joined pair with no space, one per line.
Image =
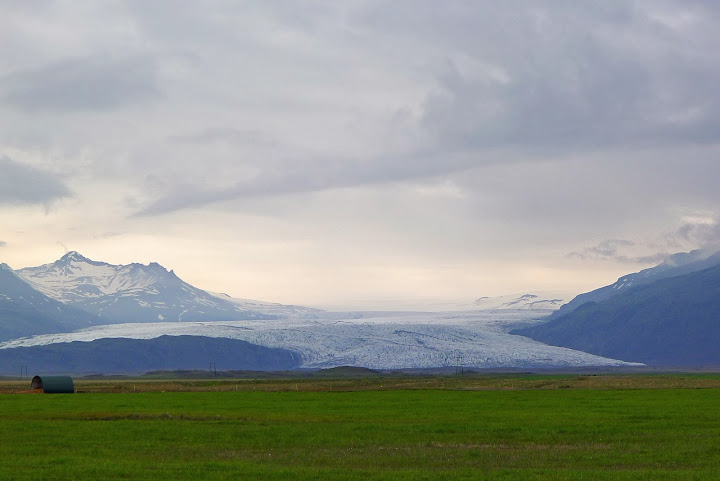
493,427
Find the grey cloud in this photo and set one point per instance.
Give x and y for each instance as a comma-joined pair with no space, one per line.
530,79
25,184
610,249
91,83
606,248
3,244
616,189
584,79
705,235
646,259
226,134
292,177
563,74
702,235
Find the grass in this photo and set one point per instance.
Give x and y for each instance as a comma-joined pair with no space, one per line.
279,433
470,382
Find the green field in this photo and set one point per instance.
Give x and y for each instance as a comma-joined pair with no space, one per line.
367,434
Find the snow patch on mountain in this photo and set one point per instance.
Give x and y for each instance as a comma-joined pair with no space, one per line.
537,300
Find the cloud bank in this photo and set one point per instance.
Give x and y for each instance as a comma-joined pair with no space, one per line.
26,185
465,146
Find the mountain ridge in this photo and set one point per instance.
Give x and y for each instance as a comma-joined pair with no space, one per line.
671,322
528,300
76,292
675,265
25,311
130,293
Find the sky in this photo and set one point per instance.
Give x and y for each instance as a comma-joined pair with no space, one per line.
361,152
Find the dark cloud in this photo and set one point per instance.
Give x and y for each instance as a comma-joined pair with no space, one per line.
25,184
90,83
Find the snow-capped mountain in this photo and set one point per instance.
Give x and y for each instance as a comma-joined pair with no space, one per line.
130,293
25,311
539,300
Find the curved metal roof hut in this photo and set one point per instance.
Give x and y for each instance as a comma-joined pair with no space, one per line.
53,384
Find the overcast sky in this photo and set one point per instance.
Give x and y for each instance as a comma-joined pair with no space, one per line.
350,152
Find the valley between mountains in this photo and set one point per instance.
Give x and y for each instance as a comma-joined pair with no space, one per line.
78,315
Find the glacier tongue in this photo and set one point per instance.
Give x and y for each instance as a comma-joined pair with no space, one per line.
388,341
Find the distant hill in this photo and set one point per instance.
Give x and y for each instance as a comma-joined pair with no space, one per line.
675,265
121,355
527,301
673,321
24,311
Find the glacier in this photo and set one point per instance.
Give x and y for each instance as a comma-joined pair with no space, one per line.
376,340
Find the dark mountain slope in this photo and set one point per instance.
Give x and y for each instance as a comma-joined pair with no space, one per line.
113,356
24,311
676,265
669,322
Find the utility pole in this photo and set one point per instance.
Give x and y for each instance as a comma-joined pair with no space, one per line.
459,367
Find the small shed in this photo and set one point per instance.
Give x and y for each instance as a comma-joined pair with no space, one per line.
53,384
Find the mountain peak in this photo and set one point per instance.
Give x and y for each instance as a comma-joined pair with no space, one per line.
73,256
